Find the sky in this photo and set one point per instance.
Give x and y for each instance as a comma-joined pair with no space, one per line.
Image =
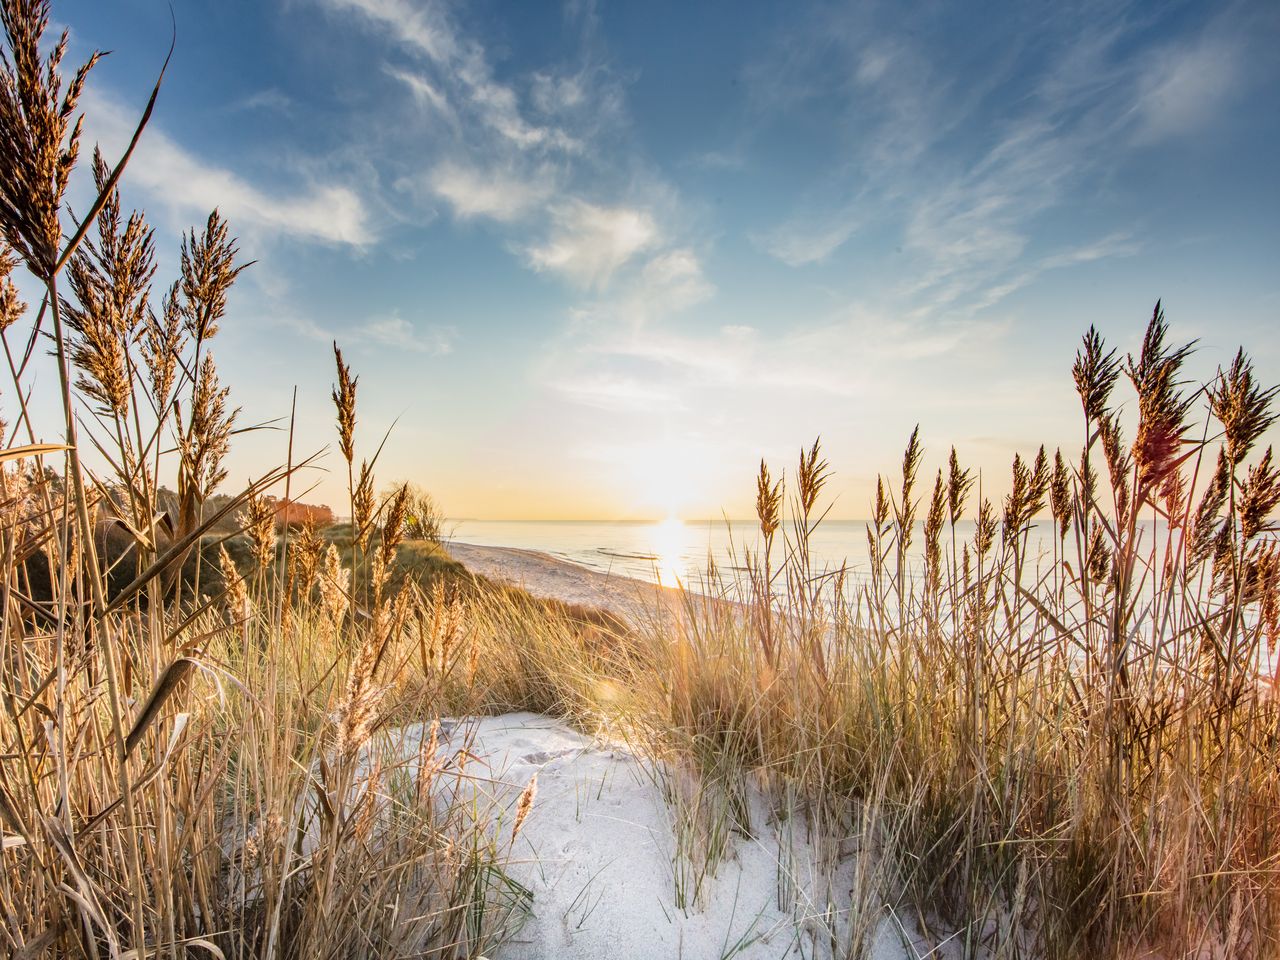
596,260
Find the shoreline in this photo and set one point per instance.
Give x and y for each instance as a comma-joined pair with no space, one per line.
552,578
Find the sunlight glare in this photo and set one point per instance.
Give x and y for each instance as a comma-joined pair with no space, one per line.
669,541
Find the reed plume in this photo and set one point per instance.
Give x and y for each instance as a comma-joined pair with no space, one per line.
110,281
524,804
344,399
1242,406
1095,372
39,141
768,503
959,484
1060,495
1162,409
260,525
208,271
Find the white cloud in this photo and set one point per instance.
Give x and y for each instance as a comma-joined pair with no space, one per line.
498,195
554,95
424,92
970,221
270,100
806,241
395,331
588,243
463,64
621,393
190,187
385,331
418,25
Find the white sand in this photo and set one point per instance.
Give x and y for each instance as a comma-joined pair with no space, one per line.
599,851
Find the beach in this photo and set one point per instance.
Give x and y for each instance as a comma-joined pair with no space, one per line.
551,578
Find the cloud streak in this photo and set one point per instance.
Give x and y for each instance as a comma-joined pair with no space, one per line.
189,187
964,172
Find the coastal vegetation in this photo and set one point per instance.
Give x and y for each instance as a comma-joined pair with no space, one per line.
1059,737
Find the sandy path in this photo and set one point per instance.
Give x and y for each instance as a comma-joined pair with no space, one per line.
602,857
601,854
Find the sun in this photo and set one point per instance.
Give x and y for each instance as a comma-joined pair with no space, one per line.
664,477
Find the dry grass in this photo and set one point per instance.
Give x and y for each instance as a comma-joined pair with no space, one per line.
1058,738
185,743
1053,733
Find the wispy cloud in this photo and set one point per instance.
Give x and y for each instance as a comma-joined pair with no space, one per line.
519,151
964,171
463,77
394,331
189,187
1182,88
809,241
389,331
270,100
495,194
588,243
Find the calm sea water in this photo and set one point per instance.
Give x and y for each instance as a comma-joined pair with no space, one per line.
668,551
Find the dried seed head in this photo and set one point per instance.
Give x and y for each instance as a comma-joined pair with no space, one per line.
906,513
208,270
344,398
207,438
1088,480
1060,494
959,483
1027,498
933,522
362,506
334,583
393,524
260,524
1096,371
39,143
160,344
360,702
1097,554
986,532
812,475
11,305
1242,406
236,597
880,510
768,502
305,554
1173,495
1162,410
1117,461
110,281
1204,531
1259,497
1266,593
524,804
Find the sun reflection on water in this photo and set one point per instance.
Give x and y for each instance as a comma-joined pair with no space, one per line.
669,542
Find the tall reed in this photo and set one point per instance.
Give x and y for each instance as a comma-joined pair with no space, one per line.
191,741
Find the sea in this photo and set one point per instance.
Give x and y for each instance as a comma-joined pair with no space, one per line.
673,552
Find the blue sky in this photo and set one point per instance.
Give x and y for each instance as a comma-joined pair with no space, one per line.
595,260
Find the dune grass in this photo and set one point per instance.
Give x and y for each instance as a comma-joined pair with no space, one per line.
1058,738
